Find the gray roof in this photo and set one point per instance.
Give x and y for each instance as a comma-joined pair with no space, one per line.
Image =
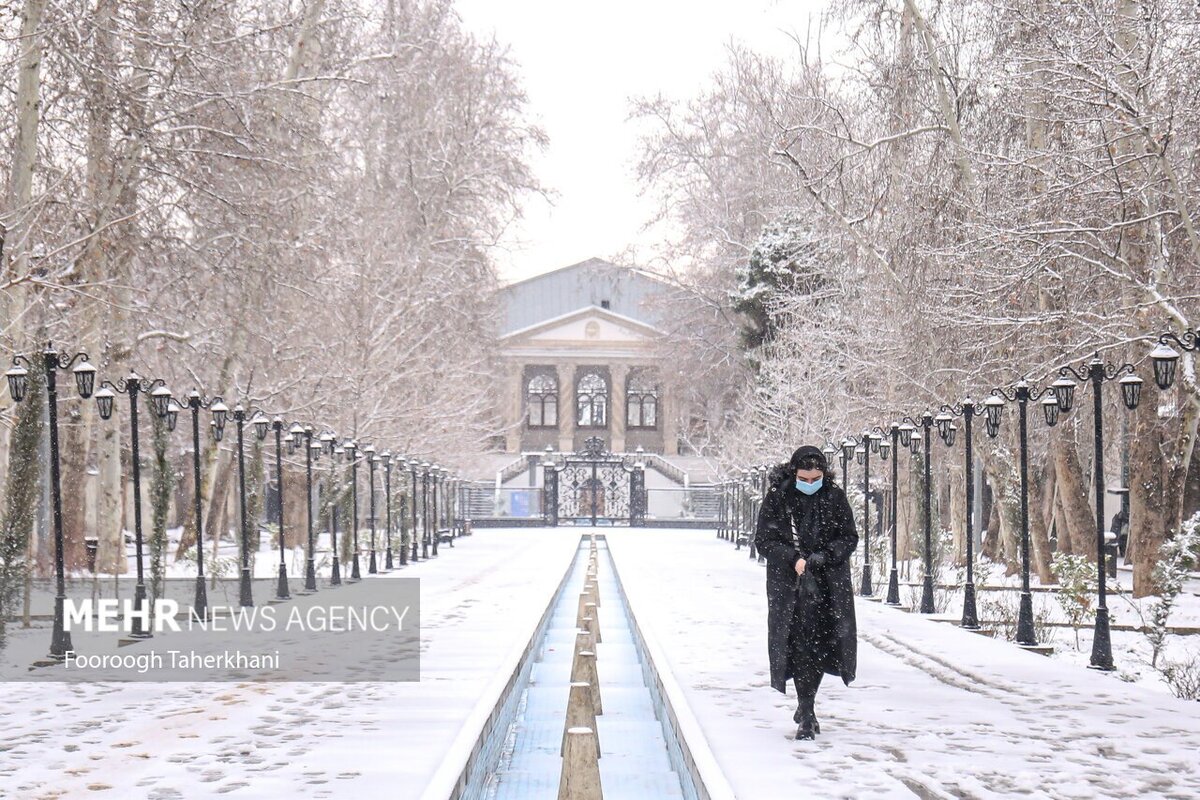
568,289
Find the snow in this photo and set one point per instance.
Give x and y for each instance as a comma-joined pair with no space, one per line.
480,603
936,711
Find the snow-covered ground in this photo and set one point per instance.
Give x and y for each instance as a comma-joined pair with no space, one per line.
936,712
480,603
998,595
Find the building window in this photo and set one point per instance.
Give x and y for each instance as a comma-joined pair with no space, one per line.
641,402
591,401
541,400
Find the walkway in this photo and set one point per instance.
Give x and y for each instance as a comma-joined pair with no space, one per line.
935,713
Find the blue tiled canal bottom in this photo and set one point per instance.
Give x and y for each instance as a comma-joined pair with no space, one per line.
633,761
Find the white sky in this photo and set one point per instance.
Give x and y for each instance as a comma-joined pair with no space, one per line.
580,63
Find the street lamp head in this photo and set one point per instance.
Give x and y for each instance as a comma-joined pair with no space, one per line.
1166,360
951,435
993,407
104,402
314,450
860,455
943,421
830,451
875,440
161,398
1064,393
1050,409
349,448
172,415
917,438
386,458
328,441
220,413
847,448
992,429
218,431
906,433
1131,391
85,378
261,425
338,452
885,449
18,382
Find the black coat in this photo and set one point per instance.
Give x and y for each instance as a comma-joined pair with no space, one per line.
829,563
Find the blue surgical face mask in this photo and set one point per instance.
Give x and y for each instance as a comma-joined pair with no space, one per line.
809,488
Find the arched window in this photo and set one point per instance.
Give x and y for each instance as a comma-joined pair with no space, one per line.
541,400
591,401
641,402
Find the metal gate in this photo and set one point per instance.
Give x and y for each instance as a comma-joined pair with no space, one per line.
594,487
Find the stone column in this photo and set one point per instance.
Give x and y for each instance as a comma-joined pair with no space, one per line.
666,422
513,412
620,376
566,407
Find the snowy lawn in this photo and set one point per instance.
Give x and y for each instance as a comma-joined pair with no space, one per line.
480,603
936,711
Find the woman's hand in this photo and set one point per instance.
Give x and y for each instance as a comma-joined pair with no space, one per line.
800,565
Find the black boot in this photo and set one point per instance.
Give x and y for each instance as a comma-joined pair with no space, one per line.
807,719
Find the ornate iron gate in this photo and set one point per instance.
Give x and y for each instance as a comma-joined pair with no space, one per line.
594,487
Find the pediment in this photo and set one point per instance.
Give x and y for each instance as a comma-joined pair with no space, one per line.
587,326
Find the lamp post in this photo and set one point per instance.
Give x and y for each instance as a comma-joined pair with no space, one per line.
302,435
85,380
372,459
908,438
401,465
351,450
425,509
160,397
240,415
335,576
1097,372
893,592
386,458
869,443
281,591
219,412
1022,393
413,466
968,410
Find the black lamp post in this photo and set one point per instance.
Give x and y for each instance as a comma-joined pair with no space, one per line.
435,478
85,380
261,425
372,459
401,465
160,396
413,466
351,450
281,591
893,592
302,435
948,430
386,458
870,442
908,437
425,509
1097,373
335,575
1022,393
220,412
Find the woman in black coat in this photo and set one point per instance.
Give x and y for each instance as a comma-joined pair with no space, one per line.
806,532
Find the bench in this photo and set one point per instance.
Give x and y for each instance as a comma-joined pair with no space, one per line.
445,535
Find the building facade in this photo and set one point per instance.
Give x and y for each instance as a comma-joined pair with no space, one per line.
579,359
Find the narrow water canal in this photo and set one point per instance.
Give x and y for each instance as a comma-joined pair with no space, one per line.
634,761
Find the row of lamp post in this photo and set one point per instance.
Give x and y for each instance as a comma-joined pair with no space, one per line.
915,434
433,479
